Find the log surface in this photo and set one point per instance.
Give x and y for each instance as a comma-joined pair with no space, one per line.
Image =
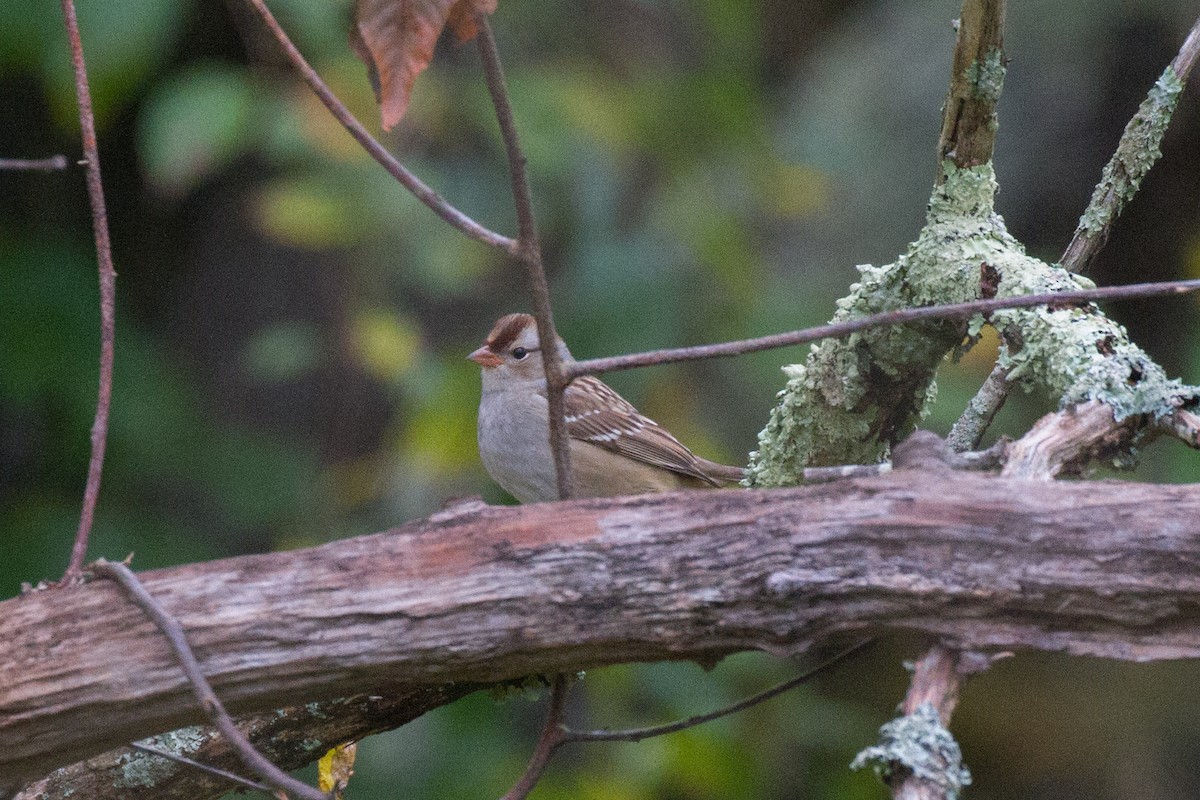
480,594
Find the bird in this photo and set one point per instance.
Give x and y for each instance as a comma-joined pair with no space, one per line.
615,450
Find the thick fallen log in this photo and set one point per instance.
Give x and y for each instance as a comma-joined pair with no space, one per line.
481,594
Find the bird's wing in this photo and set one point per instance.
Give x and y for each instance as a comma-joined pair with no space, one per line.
597,414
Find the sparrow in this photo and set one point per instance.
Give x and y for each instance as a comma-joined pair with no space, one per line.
615,450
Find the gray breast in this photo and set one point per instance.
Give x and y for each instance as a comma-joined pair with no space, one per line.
512,451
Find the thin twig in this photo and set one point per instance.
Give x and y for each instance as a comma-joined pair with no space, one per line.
407,179
1137,151
220,773
108,291
51,164
976,78
845,471
173,632
968,431
554,734
548,741
530,253
838,329
638,734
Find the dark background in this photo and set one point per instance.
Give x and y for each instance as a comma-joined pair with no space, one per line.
292,326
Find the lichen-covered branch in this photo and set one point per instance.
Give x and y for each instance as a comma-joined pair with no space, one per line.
291,737
855,397
1137,151
976,80
852,399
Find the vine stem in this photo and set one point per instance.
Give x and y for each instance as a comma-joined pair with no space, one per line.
108,291
673,355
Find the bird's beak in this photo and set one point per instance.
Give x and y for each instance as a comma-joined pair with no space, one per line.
485,358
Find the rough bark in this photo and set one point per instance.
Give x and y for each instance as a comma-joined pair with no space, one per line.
291,737
480,594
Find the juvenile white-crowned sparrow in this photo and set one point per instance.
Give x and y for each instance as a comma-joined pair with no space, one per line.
614,449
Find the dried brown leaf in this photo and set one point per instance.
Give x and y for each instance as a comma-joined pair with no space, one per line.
396,38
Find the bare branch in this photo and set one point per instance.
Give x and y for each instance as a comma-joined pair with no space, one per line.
292,737
638,734
530,254
673,355
432,200
108,291
1184,425
209,702
977,77
1137,151
51,164
555,735
549,740
1063,441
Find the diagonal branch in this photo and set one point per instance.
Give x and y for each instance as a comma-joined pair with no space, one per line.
224,775
209,702
529,251
432,200
108,292
1136,153
967,432
638,734
555,734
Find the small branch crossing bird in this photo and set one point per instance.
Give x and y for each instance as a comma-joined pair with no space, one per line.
614,449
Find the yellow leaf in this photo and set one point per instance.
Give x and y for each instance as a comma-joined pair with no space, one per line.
336,767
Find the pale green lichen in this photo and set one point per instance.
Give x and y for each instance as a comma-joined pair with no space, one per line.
987,79
1136,153
138,769
1078,355
920,744
854,397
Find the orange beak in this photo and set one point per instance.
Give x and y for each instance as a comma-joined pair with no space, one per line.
485,358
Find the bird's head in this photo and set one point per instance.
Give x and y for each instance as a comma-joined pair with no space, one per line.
512,352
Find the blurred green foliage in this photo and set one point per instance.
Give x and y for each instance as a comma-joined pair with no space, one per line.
292,325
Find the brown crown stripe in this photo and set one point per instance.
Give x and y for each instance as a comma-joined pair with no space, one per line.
506,330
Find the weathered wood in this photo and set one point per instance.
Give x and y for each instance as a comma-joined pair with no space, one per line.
291,737
489,593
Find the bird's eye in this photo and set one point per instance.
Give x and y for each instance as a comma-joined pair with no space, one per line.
519,353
